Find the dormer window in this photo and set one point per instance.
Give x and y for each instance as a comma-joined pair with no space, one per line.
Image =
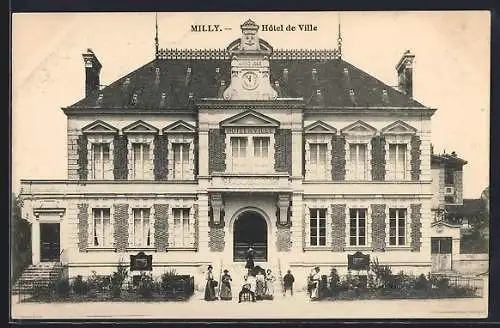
318,150
180,153
358,148
397,146
140,136
100,148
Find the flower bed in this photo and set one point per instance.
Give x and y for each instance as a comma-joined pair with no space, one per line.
380,283
141,288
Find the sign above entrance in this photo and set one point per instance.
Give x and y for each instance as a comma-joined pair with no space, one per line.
249,130
358,261
141,262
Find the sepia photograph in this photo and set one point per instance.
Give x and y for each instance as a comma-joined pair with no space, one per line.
250,165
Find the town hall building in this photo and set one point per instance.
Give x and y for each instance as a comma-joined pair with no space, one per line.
202,153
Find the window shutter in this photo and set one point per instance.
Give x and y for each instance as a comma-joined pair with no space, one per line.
216,151
338,227
120,160
160,157
415,157
82,157
83,233
120,226
416,227
338,158
283,150
378,226
160,227
378,158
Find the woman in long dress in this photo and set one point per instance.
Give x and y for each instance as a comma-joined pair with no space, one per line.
225,287
270,279
210,286
260,285
315,284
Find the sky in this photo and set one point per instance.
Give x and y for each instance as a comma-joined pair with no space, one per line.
451,71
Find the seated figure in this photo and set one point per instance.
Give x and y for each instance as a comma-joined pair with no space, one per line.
246,294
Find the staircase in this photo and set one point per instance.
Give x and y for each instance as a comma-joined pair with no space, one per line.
40,274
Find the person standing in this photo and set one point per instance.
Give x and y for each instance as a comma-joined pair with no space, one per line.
270,279
250,261
260,284
316,278
288,281
210,294
225,287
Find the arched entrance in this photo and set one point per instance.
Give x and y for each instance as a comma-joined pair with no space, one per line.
250,230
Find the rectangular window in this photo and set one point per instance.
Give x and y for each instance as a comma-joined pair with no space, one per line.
142,230
318,159
239,153
397,226
101,227
317,226
261,148
181,229
181,160
357,227
449,176
397,161
140,160
100,160
358,161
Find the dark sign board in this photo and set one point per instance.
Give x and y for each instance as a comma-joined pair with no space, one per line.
141,262
358,261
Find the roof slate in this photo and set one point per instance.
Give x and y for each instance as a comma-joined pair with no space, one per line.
334,78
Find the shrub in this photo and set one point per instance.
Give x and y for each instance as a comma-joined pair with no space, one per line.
80,286
383,274
146,285
167,279
117,279
421,283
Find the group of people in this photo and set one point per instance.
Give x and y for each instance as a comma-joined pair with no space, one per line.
258,283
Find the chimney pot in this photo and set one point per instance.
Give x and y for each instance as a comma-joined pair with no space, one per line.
92,72
404,69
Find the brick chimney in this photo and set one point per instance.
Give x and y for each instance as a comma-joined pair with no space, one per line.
92,72
405,73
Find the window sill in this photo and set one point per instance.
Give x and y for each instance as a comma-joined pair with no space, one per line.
317,248
101,249
181,249
398,248
141,248
358,248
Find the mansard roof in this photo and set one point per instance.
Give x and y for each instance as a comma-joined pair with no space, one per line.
170,83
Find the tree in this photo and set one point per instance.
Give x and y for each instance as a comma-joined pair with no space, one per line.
20,239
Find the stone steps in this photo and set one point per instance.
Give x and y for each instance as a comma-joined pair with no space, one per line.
40,275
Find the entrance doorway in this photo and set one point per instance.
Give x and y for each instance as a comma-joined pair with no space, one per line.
441,253
250,230
49,242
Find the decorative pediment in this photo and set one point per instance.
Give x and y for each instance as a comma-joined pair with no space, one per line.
319,127
359,128
99,127
399,127
140,127
179,127
250,118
